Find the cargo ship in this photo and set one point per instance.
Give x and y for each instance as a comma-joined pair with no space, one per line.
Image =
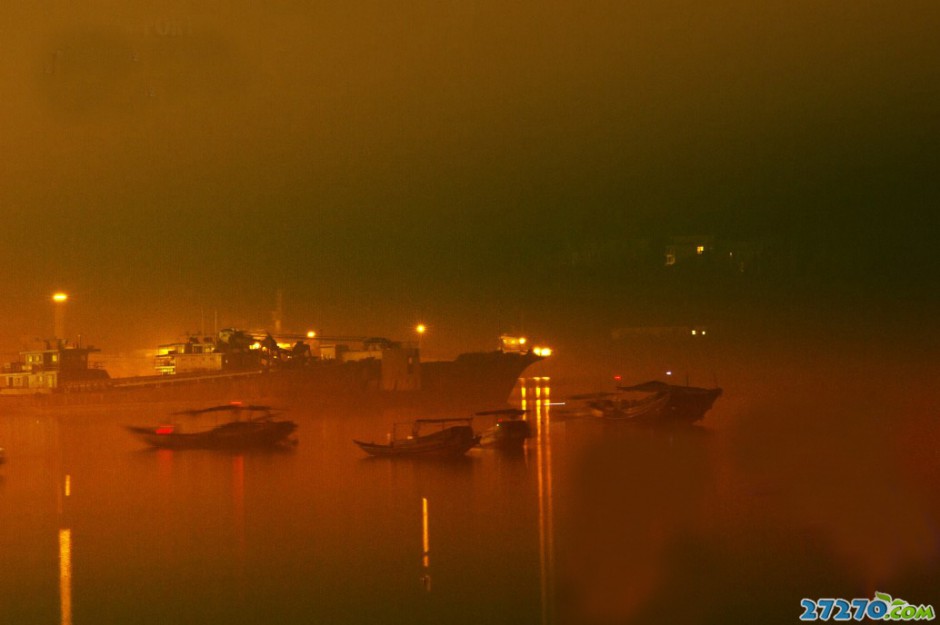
305,371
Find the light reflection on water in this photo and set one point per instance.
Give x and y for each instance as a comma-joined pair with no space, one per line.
316,533
65,576
590,523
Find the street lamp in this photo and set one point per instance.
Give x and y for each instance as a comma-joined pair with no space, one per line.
420,329
59,300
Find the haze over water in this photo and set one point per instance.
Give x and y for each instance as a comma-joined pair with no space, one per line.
481,167
810,477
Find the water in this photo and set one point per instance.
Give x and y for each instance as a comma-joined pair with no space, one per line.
99,529
592,523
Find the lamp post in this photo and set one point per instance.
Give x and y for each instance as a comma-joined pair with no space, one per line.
420,329
58,300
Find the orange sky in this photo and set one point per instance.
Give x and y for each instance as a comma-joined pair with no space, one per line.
216,151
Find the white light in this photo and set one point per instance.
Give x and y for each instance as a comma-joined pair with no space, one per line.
669,373
694,332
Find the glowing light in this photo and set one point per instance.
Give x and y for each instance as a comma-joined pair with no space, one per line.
522,340
543,351
420,328
700,249
703,332
60,297
68,485
694,332
426,542
311,334
618,378
164,429
669,373
65,575
256,345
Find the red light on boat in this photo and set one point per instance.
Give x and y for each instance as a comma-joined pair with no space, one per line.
617,377
165,429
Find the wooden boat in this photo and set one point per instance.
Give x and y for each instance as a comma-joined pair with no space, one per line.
427,438
509,431
654,402
247,426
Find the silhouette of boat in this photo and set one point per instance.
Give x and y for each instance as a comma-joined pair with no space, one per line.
247,426
447,438
653,402
509,431
333,374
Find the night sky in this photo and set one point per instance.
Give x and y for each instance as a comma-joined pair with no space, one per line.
445,162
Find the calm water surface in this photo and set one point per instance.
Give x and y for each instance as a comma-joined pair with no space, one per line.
590,524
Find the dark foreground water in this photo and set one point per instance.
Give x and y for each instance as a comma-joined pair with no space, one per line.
810,487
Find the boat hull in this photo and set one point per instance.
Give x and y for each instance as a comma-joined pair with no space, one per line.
663,404
471,382
451,442
237,435
508,434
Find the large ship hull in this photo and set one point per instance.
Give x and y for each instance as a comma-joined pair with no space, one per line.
471,382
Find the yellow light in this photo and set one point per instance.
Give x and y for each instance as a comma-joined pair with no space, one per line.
543,351
522,340
59,297
420,328
68,485
694,332
537,351
311,334
700,249
65,576
256,345
425,541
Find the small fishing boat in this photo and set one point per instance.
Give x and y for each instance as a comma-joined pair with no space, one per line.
427,438
246,426
509,431
652,402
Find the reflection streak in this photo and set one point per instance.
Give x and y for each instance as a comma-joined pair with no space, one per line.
544,467
65,575
426,546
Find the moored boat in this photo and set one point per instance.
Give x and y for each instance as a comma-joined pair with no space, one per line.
446,438
330,374
653,402
247,426
510,430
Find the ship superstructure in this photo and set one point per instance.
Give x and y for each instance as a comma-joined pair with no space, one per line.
288,369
